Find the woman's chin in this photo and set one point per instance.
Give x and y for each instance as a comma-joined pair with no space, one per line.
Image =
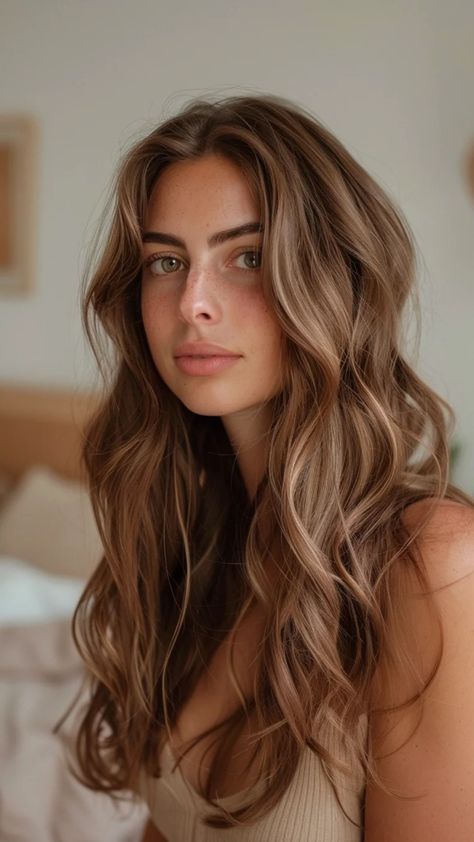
221,405
209,409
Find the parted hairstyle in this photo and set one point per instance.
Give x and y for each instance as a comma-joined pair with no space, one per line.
356,437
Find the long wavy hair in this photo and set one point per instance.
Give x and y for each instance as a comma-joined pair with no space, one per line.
356,437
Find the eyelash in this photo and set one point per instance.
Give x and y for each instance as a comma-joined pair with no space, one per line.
154,257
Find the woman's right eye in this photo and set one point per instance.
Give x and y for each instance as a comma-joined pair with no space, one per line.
158,259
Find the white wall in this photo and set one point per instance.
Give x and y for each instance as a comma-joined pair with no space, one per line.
394,80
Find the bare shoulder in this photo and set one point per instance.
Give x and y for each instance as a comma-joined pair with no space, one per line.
426,751
425,619
446,538
446,526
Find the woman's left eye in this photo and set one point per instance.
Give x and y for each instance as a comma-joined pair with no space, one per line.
256,257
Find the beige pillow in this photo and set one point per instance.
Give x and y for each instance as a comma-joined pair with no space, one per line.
47,520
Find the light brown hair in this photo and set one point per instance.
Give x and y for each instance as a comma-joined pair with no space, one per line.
356,438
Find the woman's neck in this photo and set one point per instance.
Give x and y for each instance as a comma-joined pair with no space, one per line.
248,433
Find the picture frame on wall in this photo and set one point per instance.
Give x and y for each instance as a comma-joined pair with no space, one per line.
18,203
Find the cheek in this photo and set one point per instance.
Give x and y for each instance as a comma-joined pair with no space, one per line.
261,321
264,338
156,317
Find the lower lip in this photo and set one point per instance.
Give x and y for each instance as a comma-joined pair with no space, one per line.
205,365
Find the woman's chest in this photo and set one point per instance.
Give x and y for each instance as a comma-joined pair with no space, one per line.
214,698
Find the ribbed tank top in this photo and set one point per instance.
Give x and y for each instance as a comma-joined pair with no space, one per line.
308,811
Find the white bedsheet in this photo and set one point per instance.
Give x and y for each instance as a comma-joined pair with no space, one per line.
40,674
27,595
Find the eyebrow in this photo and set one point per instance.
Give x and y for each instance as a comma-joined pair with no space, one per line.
214,240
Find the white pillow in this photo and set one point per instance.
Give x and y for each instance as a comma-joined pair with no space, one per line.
29,595
48,522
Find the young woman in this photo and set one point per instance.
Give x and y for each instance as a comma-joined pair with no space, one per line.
279,635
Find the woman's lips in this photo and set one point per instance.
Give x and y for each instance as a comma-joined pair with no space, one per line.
200,366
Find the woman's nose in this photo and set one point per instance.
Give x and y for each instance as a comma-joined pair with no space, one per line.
199,300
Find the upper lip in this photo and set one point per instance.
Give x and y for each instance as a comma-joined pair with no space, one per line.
203,349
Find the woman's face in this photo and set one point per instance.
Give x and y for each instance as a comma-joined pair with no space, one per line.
200,288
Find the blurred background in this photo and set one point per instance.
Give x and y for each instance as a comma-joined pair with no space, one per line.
80,81
394,80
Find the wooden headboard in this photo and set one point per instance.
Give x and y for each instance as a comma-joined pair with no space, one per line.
42,426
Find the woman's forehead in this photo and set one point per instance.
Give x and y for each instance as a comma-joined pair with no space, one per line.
211,189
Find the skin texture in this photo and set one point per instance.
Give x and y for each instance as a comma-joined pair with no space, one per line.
437,761
213,294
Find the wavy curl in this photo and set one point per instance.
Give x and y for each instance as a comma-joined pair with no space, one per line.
356,438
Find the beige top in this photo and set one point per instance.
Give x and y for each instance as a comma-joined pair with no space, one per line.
308,812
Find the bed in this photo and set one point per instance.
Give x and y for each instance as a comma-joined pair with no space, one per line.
49,545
